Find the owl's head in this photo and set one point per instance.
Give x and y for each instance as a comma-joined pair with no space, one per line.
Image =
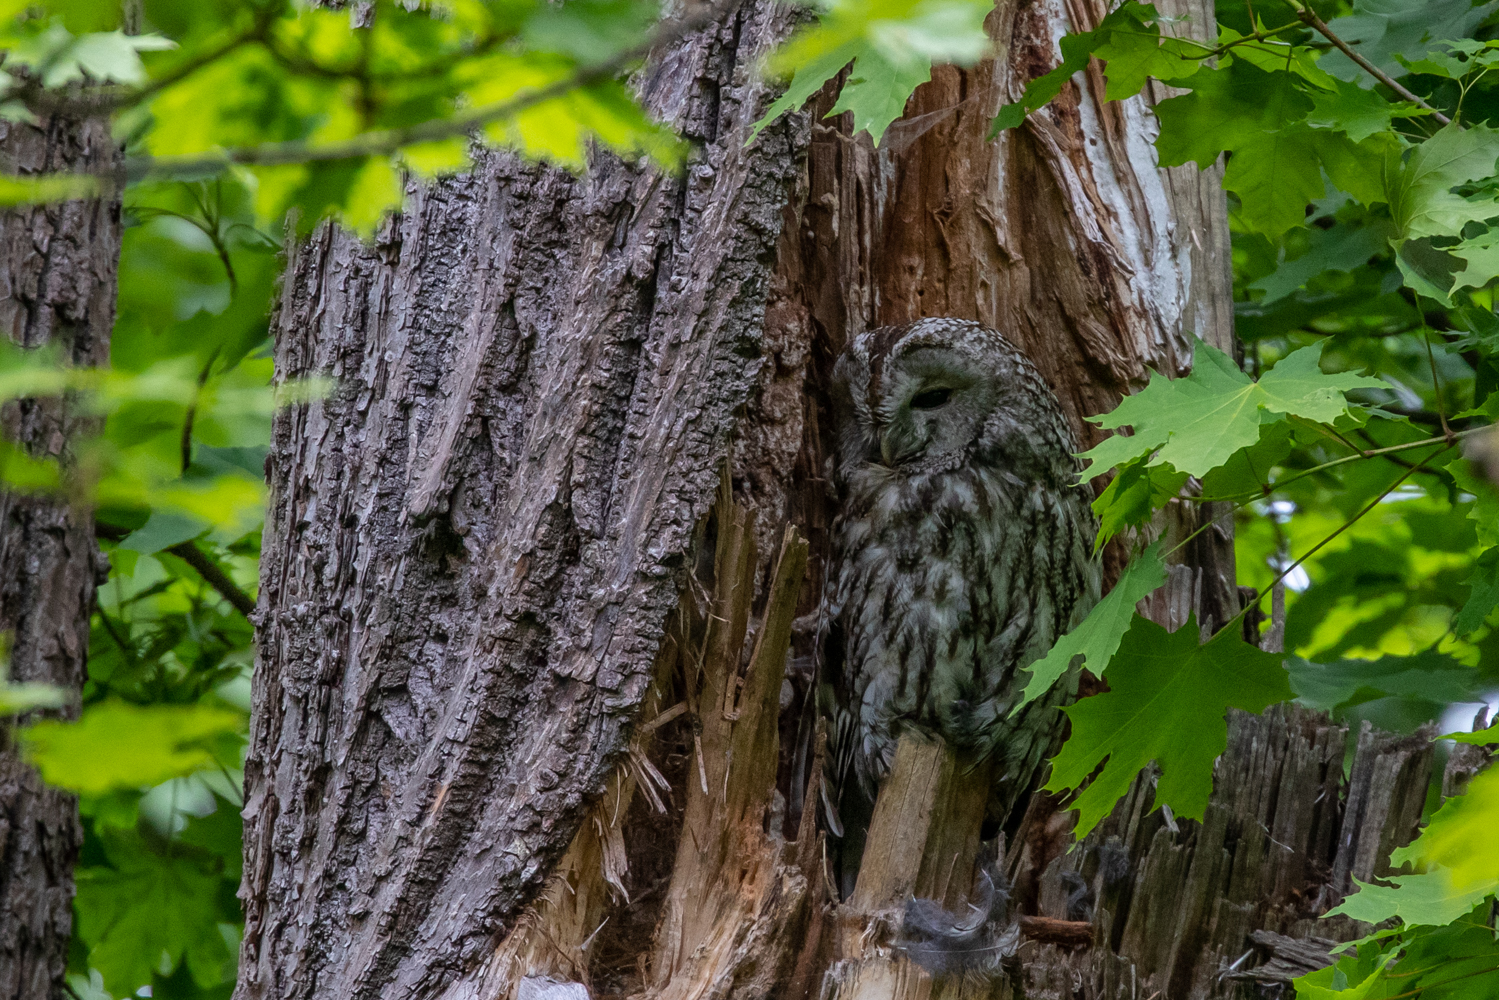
936,394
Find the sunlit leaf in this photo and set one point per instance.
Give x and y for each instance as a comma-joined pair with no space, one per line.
118,745
1196,423
892,45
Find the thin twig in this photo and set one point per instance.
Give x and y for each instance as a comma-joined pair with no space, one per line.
213,576
1366,453
1310,18
1436,384
1286,571
387,141
189,553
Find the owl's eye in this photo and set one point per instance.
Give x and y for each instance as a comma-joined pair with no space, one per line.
930,399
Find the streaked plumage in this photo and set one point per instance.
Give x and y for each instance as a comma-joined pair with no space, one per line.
963,548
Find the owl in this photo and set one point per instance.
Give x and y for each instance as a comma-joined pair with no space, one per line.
961,551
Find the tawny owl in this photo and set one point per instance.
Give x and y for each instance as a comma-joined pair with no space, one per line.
962,550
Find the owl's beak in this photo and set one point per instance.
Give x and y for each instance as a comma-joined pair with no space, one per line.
887,451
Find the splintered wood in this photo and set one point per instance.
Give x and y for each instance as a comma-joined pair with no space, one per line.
735,889
923,840
734,892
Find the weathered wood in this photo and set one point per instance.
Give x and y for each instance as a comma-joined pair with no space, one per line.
58,266
923,842
1177,903
474,543
737,897
550,944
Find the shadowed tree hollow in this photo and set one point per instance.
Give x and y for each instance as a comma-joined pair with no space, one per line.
538,573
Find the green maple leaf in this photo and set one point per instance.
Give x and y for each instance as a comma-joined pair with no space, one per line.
1457,849
1276,174
1130,44
1282,141
877,91
146,913
1483,595
1166,703
1132,496
1356,168
1481,259
1358,112
1428,898
1342,684
1383,30
1228,110
1099,635
1420,191
892,45
1483,738
1196,423
1341,248
1460,837
1485,510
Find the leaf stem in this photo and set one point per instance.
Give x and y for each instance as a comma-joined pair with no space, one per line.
1420,989
1456,436
1310,18
1436,383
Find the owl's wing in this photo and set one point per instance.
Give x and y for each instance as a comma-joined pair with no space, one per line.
837,769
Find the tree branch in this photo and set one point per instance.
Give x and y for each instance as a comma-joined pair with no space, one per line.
188,552
214,576
387,141
1310,18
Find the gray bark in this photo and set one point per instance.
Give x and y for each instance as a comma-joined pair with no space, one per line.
58,268
474,542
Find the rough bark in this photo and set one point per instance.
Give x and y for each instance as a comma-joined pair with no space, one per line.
473,545
57,288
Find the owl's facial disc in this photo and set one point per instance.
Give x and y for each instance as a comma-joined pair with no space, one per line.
932,409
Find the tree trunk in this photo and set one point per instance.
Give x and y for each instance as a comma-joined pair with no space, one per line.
532,569
58,268
474,543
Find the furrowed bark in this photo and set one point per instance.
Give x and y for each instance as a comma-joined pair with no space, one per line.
474,543
58,267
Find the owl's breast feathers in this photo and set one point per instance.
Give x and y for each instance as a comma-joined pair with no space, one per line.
946,586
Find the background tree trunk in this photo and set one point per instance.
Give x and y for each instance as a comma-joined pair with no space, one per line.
491,550
58,268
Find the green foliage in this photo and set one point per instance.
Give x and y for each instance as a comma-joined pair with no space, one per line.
1459,961
1099,635
1396,693
1154,676
1197,423
1483,596
1444,938
889,47
147,912
119,745
1362,243
1130,42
